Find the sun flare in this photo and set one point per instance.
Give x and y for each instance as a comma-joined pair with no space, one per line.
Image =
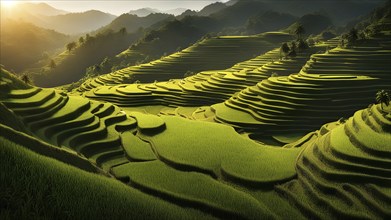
8,3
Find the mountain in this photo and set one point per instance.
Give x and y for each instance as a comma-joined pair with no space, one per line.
45,16
142,12
133,22
166,38
175,11
76,23
312,23
379,15
187,13
108,41
206,11
340,11
212,8
23,44
237,14
42,9
269,20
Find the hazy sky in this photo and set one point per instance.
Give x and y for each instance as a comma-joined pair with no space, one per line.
119,7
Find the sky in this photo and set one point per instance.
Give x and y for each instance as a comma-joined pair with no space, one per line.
120,7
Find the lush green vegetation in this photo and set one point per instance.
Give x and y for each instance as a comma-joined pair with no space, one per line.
72,63
22,44
204,55
273,125
34,186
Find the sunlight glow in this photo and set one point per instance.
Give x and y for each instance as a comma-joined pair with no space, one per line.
8,3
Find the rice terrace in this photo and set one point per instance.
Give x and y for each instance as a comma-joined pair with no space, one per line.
230,109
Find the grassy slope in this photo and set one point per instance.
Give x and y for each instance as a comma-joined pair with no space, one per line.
34,186
204,166
71,66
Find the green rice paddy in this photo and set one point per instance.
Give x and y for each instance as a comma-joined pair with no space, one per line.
259,139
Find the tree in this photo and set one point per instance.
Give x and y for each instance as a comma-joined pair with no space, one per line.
352,36
284,49
302,45
293,46
292,53
71,46
123,31
81,40
383,97
52,64
299,31
26,78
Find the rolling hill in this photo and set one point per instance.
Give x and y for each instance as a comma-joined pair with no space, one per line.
133,22
71,65
205,55
23,44
153,156
45,16
78,23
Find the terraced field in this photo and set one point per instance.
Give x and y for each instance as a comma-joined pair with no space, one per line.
329,86
277,151
88,128
346,170
210,168
210,54
204,88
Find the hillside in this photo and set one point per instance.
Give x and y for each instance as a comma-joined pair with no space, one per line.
209,87
78,23
71,65
23,44
246,17
340,11
153,156
39,9
206,11
312,23
205,55
280,103
374,21
30,12
129,28
169,37
133,22
270,20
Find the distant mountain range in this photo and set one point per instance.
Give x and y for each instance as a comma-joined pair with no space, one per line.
133,22
157,34
76,23
340,11
45,16
39,9
142,12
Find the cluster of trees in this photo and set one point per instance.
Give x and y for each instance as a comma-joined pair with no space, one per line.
290,49
90,39
349,39
355,37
